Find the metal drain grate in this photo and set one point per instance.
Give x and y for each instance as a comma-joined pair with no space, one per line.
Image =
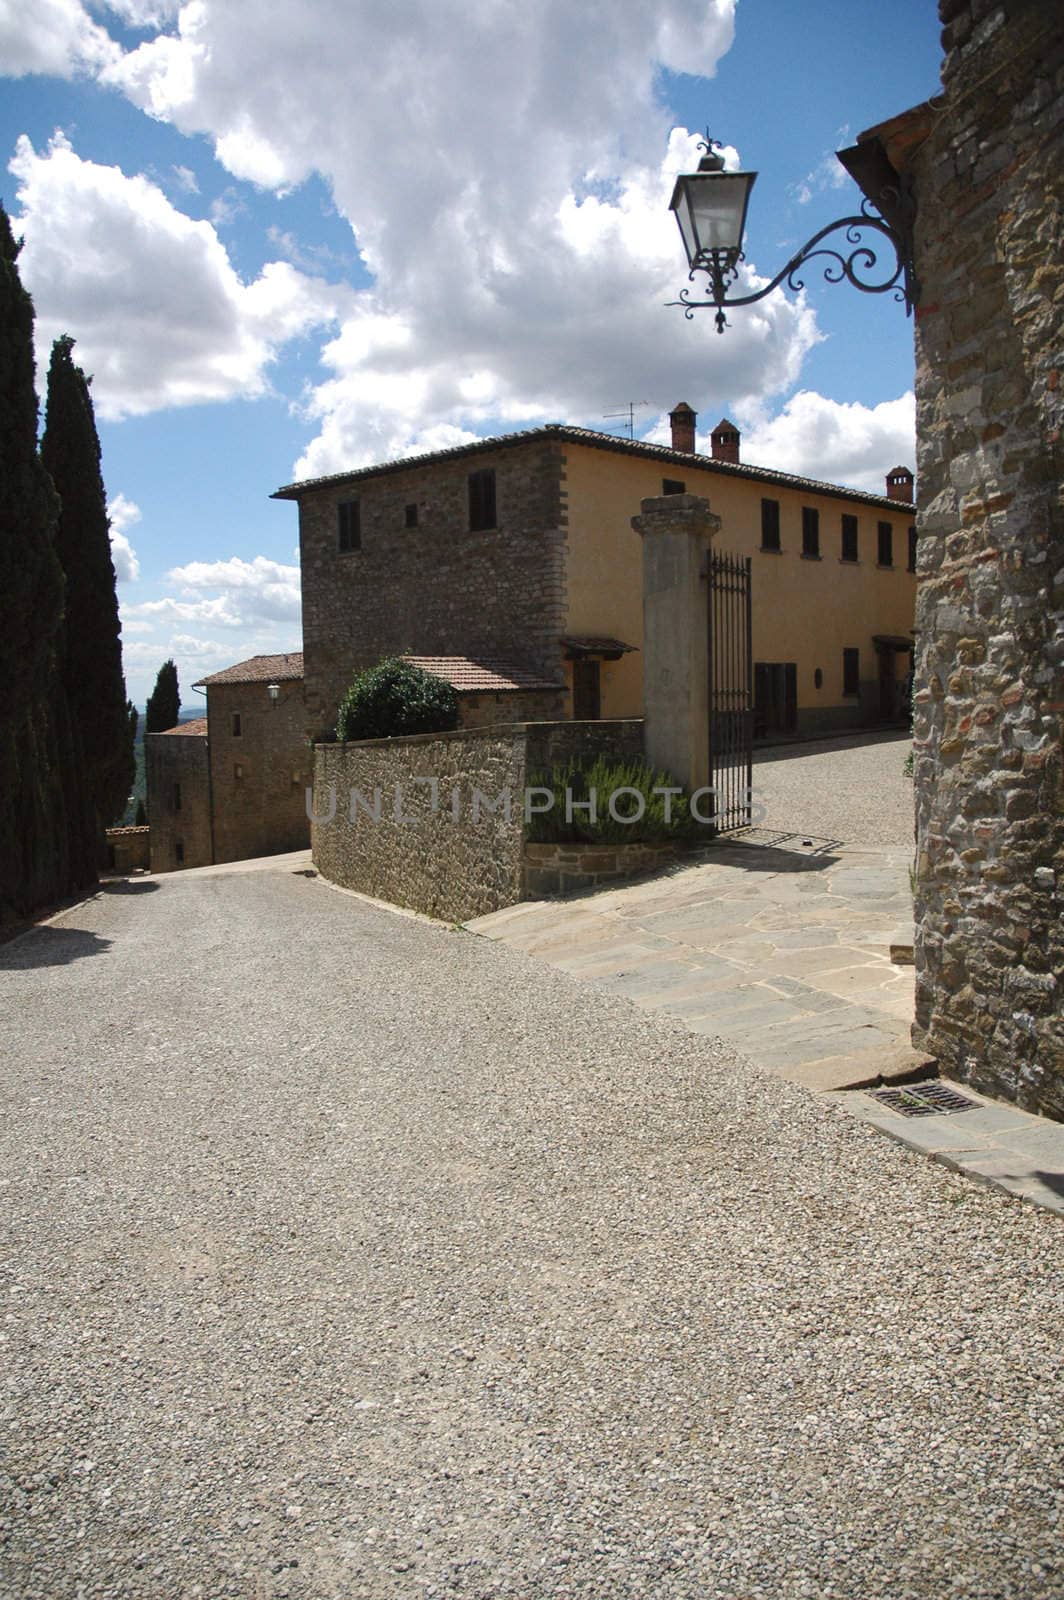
924,1100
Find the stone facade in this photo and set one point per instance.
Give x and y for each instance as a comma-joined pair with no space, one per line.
179,803
552,869
486,710
128,849
987,174
259,776
434,587
456,851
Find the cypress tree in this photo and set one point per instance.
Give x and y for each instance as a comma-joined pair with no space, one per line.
31,609
164,703
91,653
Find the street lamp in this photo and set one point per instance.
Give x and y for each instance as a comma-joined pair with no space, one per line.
274,692
710,207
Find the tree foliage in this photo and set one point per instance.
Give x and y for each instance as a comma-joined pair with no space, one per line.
395,698
164,702
34,864
90,654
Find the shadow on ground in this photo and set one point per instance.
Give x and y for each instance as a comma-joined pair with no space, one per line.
813,747
50,947
128,886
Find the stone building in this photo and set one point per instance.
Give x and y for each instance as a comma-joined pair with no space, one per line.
985,166
232,785
518,555
179,805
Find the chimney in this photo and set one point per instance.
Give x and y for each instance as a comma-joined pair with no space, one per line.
900,484
683,428
725,442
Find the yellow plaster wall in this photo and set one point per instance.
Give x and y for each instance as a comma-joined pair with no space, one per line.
803,610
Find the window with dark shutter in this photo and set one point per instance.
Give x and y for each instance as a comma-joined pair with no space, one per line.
770,524
411,516
849,538
912,549
673,486
348,526
810,531
587,690
851,672
236,725
886,544
482,500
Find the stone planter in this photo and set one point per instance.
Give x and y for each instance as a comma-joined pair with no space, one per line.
551,869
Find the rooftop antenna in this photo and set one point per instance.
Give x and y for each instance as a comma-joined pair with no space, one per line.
628,414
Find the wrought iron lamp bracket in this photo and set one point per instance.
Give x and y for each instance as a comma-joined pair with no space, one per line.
721,266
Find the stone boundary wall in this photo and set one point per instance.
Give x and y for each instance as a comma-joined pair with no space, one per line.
989,778
128,848
572,868
440,838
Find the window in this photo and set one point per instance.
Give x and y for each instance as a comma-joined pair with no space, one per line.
348,526
411,516
770,524
179,852
175,797
851,672
236,725
810,532
849,538
481,500
587,690
912,550
673,486
886,544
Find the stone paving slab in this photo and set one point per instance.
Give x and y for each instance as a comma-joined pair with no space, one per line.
995,1144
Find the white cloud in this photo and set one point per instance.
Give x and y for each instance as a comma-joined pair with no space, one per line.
123,514
522,248
185,179
838,443
57,37
162,317
255,591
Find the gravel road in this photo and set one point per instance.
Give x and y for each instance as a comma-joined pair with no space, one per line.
855,791
351,1256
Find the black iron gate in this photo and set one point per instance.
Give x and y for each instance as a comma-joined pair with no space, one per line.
731,690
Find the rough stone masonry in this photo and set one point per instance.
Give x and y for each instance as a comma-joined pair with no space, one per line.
988,730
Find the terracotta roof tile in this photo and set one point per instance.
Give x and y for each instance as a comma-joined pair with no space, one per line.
483,675
562,434
258,669
195,725
596,644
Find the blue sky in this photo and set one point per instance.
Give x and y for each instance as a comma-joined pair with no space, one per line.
294,242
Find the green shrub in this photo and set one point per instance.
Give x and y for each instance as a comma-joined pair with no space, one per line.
394,698
606,778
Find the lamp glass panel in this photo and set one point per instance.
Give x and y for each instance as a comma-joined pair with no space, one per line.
718,205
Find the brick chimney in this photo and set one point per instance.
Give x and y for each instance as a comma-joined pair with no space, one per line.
683,428
725,442
900,484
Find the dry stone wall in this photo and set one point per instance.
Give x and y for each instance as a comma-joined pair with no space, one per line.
990,697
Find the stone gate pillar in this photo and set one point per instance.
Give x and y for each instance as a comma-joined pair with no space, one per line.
676,531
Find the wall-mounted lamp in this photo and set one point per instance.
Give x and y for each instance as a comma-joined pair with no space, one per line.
710,207
274,691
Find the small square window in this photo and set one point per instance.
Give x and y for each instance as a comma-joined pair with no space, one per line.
849,538
851,672
410,516
810,531
673,486
770,524
482,500
886,544
236,725
912,550
348,526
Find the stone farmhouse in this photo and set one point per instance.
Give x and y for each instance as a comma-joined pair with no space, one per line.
510,567
232,785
